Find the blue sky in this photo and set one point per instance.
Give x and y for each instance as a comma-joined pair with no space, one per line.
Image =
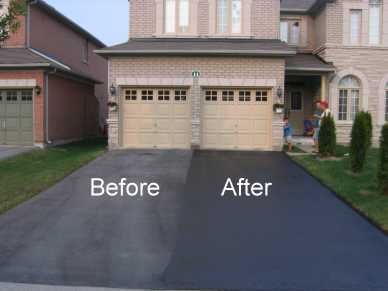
105,20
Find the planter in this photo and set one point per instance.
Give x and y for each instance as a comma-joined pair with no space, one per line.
278,108
112,106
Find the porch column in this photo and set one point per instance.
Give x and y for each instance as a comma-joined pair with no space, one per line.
324,87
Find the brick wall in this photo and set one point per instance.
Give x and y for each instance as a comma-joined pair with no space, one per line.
263,17
17,39
73,110
154,68
367,65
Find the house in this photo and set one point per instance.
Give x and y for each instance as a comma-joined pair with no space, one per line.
52,84
207,73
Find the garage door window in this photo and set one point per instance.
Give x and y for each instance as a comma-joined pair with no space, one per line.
262,96
26,96
180,95
12,96
164,95
211,96
130,95
147,95
228,96
244,96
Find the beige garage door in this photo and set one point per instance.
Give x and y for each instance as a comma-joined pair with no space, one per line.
237,119
156,118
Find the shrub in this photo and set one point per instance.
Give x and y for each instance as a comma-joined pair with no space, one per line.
367,118
383,166
359,143
327,136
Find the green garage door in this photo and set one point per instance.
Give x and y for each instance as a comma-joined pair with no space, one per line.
16,113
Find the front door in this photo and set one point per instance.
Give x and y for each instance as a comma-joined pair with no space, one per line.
296,114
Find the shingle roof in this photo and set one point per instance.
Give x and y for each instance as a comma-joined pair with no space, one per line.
308,62
200,46
297,4
25,58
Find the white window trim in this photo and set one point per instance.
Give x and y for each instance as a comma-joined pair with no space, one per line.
359,37
380,26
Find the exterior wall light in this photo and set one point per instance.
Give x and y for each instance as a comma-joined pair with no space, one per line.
279,93
38,90
112,90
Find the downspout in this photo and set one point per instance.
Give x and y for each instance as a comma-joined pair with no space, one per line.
46,93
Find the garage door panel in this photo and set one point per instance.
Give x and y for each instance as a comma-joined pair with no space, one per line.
163,121
231,122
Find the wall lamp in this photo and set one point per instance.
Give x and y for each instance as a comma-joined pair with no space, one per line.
279,93
112,90
38,90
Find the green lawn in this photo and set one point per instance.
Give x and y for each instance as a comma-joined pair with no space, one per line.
26,175
360,191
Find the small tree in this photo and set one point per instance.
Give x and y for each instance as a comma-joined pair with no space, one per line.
327,136
359,143
383,166
367,117
9,21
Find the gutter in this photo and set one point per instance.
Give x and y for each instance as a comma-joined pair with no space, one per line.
310,69
198,52
31,65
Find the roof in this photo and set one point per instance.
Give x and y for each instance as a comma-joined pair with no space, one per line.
302,6
200,46
308,62
65,20
27,58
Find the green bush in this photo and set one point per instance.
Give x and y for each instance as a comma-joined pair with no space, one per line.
327,136
367,117
383,166
359,143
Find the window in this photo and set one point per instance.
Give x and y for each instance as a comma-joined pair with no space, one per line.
85,51
355,27
147,95
295,33
349,98
130,95
180,95
244,96
296,101
374,21
262,96
211,95
12,96
229,16
27,96
164,95
284,31
228,96
386,102
176,16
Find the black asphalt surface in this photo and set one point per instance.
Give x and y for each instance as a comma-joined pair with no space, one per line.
301,237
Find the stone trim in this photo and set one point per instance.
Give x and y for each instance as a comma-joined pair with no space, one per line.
19,83
381,107
227,82
154,82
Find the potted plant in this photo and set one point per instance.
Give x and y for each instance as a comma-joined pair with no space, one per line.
278,108
112,106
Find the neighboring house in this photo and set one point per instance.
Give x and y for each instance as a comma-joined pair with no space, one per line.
206,73
53,86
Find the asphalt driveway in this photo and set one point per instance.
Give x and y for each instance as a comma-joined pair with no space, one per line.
299,238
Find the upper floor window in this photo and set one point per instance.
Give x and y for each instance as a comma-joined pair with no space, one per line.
374,22
349,98
229,16
290,31
176,16
355,26
85,51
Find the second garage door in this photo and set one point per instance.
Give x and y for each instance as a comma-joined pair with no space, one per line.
236,119
156,118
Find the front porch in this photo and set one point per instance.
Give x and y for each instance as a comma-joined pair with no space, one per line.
306,81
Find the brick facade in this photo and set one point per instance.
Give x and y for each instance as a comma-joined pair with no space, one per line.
266,71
